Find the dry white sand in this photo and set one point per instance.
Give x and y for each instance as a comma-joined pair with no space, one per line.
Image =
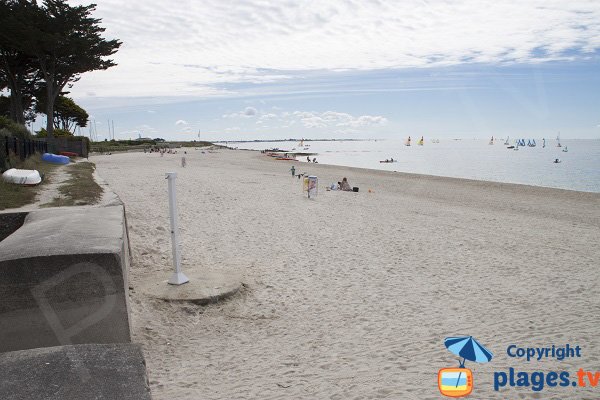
351,295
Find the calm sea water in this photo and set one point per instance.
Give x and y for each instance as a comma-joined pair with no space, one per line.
579,168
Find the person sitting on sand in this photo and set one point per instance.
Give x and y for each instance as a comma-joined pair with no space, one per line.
345,186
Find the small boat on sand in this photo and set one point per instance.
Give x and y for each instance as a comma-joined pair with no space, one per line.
388,161
55,158
28,177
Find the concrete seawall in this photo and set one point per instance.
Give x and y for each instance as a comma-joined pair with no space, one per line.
65,328
63,279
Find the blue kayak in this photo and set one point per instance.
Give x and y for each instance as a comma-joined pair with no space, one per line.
55,158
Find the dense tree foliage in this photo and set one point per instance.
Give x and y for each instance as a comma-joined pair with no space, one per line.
8,127
67,114
58,132
18,69
48,46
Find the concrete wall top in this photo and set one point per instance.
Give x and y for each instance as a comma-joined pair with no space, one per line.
62,231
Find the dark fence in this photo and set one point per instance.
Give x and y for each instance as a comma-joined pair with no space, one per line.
21,148
75,144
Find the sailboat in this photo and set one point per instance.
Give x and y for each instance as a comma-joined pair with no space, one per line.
491,140
565,149
558,140
407,143
420,142
531,143
543,142
506,143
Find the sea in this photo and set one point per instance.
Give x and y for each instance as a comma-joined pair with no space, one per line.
578,167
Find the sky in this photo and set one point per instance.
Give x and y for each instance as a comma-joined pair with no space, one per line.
259,69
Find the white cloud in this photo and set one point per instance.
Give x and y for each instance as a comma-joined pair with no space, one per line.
212,42
314,122
248,112
366,120
332,120
327,119
266,117
180,122
143,130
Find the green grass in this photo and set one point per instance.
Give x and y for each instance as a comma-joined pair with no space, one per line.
15,196
80,189
129,145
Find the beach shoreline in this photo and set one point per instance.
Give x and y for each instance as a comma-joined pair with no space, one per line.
351,294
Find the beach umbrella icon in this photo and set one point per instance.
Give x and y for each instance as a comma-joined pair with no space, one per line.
469,349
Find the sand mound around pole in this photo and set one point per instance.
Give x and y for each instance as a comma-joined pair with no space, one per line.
203,287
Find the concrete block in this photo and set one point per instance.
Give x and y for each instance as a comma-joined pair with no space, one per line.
63,279
91,371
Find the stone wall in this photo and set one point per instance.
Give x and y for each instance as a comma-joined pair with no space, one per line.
63,279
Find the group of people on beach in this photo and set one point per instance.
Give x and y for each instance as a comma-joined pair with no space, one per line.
344,185
314,160
161,151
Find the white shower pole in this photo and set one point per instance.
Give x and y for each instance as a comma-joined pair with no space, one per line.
178,277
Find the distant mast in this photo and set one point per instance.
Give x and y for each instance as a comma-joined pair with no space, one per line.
558,140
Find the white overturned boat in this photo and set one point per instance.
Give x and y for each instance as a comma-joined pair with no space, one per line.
22,176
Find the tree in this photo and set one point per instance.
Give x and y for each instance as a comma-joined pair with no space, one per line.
18,70
5,106
67,114
65,41
42,133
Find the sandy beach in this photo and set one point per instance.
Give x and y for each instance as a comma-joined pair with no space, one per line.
350,295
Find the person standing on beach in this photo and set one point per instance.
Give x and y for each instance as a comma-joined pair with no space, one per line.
293,170
183,162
